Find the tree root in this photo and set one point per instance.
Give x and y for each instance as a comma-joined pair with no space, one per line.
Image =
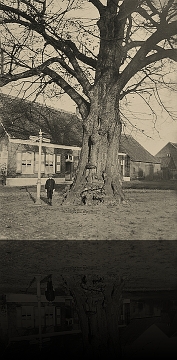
93,194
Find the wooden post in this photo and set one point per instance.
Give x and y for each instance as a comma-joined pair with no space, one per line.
38,198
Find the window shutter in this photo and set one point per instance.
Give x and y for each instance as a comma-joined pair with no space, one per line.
18,162
58,163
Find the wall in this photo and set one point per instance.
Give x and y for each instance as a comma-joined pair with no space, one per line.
140,170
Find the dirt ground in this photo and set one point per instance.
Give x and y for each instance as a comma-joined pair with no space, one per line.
147,215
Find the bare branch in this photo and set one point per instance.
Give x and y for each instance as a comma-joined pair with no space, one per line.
37,70
67,47
78,73
7,78
132,45
129,27
97,3
167,7
133,88
161,54
140,60
80,56
152,7
127,8
145,14
18,12
75,96
29,4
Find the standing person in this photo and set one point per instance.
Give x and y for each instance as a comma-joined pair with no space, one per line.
50,188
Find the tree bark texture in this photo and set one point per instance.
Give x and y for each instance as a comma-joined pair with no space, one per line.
98,302
98,177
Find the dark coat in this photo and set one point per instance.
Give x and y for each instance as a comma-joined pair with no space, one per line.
50,184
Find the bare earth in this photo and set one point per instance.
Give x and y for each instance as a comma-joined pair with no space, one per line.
147,215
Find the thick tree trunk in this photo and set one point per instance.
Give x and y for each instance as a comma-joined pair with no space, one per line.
98,177
98,301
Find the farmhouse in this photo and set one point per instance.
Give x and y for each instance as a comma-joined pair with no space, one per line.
136,162
168,158
62,137
20,159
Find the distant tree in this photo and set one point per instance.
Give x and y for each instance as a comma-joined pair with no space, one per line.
127,48
24,118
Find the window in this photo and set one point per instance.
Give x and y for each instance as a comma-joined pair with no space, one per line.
25,316
58,163
27,162
49,163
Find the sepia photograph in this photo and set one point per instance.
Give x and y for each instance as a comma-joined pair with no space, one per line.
88,179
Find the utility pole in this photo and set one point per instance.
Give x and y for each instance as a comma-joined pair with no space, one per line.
38,198
40,139
38,278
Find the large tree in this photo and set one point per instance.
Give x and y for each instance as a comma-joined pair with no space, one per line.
97,62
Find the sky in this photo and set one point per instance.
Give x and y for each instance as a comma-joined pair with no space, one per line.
153,136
